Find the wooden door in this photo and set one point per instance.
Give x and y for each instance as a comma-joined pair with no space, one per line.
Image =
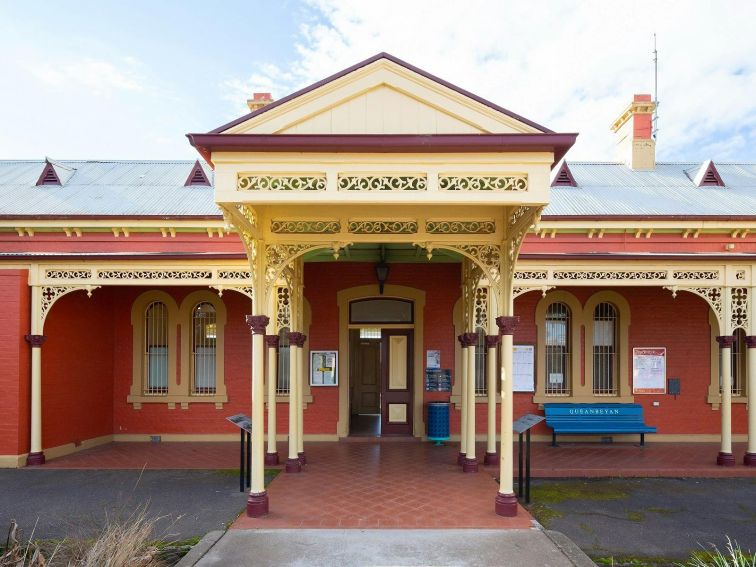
396,383
366,377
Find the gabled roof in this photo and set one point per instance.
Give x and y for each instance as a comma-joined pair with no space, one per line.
365,63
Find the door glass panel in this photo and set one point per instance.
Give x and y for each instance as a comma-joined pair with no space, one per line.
397,362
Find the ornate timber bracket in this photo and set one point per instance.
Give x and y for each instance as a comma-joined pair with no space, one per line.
51,293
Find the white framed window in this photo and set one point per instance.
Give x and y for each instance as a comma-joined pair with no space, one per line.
156,349
204,349
558,350
605,359
481,385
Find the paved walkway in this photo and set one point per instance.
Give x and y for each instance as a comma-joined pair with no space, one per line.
567,460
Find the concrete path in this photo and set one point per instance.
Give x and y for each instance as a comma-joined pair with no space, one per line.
355,548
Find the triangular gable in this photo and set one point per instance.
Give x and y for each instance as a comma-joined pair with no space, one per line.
54,173
564,177
381,95
197,176
708,176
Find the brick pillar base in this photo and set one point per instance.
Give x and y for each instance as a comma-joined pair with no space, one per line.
271,459
506,505
470,465
491,459
35,459
725,460
749,460
257,505
293,466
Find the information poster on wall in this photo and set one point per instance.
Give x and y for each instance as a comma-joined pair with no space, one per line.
433,359
523,368
438,380
324,368
650,370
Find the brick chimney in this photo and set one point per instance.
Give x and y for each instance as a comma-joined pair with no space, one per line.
259,100
633,128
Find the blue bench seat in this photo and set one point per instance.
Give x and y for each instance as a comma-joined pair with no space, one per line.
596,419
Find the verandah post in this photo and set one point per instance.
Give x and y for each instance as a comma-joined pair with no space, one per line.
491,457
271,455
257,502
506,500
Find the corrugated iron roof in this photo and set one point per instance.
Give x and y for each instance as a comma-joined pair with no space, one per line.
156,188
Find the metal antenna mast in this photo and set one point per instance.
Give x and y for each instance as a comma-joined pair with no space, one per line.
655,119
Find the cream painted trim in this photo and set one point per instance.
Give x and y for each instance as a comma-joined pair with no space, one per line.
343,298
13,461
68,448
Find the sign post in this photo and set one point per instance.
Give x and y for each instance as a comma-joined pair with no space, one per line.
522,426
243,422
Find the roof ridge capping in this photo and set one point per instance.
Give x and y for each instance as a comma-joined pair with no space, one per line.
706,175
365,63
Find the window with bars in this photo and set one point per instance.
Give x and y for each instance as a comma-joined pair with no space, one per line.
558,350
156,349
204,337
283,384
481,386
605,359
737,364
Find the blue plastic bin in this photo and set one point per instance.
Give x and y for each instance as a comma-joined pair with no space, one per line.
438,422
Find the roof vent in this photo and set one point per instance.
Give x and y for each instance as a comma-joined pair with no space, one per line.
564,177
197,176
48,176
708,176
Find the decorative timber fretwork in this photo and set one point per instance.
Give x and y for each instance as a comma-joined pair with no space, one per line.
270,182
460,227
481,308
696,274
278,257
414,182
240,275
457,182
520,221
247,290
51,294
609,275
305,226
157,274
382,227
530,275
518,290
283,308
68,274
739,308
712,296
472,274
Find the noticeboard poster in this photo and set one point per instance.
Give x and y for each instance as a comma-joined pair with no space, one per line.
650,370
324,368
523,368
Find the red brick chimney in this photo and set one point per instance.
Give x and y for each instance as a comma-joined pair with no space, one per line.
259,100
633,129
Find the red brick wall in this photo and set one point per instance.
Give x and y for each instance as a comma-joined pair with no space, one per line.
15,356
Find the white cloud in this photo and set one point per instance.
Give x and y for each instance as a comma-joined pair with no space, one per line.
99,76
572,66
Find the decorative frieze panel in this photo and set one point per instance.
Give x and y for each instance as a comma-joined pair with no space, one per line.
739,308
383,182
531,275
382,227
283,308
460,227
305,226
257,182
481,308
237,275
609,275
68,274
695,275
166,274
483,182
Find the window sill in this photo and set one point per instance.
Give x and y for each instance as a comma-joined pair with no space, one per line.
182,401
582,399
716,401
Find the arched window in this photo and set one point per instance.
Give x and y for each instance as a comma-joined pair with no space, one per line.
558,349
204,341
156,349
739,371
283,385
481,388
605,359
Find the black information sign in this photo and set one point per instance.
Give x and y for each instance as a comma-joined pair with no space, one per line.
241,421
437,380
526,422
244,423
522,427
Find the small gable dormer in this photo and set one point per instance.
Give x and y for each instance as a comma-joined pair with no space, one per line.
708,176
54,173
564,177
197,176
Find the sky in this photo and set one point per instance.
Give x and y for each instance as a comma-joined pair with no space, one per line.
127,80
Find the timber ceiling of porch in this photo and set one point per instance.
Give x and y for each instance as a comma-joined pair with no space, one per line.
393,253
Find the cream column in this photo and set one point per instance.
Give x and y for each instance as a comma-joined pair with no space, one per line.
271,456
292,462
471,462
36,455
750,456
491,457
725,457
300,400
506,501
463,409
257,502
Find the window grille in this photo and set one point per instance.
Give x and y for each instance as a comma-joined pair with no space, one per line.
205,329
738,364
605,360
481,387
156,349
283,384
558,347
370,333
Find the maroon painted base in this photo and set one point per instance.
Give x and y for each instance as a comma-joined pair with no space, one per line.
302,458
725,460
749,460
271,459
470,465
35,459
506,505
257,505
491,459
293,466
461,459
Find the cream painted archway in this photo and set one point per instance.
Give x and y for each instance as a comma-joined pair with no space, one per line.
343,298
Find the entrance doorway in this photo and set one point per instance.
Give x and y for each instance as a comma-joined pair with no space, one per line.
380,367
